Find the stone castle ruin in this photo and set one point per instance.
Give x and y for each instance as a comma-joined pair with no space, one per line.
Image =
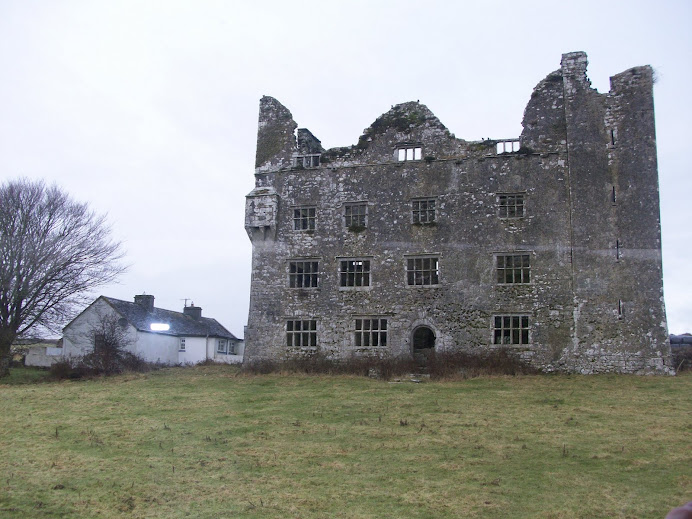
414,241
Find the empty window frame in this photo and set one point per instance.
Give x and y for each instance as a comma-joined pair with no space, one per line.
301,333
222,346
513,268
303,274
304,218
423,211
422,271
354,273
181,344
370,332
510,205
508,146
409,153
356,214
511,329
306,161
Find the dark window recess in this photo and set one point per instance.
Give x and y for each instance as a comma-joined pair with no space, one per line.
371,332
511,329
354,273
422,271
510,205
355,215
423,210
513,268
301,333
99,342
303,274
307,161
304,219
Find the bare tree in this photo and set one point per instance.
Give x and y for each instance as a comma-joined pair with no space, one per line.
111,342
53,251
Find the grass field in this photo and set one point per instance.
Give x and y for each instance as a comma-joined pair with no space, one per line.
207,442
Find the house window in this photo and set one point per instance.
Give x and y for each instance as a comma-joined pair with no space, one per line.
303,274
371,332
306,161
422,271
355,215
304,219
232,348
409,153
354,273
513,268
222,346
301,333
511,329
181,344
423,211
99,342
510,205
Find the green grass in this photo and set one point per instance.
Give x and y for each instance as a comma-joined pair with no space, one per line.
26,375
206,442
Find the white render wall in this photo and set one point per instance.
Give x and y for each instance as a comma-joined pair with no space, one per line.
198,349
78,336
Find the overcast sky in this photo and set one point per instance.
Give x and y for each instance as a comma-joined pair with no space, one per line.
148,109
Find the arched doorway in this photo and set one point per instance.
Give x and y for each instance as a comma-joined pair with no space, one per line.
423,345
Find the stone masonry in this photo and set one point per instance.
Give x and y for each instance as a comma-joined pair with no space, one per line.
414,241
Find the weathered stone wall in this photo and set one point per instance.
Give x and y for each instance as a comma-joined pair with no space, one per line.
595,294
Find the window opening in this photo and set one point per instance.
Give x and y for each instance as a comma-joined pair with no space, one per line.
355,215
422,271
513,268
181,344
99,342
304,218
222,346
423,210
511,329
301,333
508,146
510,205
303,274
617,249
306,161
614,194
410,153
354,273
371,332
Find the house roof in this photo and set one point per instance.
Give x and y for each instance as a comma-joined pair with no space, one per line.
179,324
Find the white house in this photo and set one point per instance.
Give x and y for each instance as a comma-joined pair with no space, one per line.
155,334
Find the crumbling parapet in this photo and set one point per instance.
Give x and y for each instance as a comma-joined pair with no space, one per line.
275,136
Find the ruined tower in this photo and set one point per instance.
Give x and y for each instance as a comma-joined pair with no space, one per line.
413,241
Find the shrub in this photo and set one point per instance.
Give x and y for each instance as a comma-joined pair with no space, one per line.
501,361
682,357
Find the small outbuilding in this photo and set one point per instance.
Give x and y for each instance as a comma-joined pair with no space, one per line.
155,334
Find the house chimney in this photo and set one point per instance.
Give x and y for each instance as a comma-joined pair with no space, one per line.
145,301
193,311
